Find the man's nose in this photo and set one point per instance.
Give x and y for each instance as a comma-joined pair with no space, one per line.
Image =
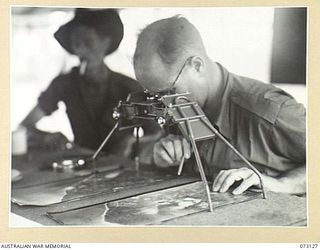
80,49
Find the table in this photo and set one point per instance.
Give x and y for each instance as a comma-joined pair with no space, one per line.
277,210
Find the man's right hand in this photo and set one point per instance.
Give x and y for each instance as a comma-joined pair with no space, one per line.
170,150
46,140
56,141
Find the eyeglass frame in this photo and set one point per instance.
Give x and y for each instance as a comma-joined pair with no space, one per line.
177,77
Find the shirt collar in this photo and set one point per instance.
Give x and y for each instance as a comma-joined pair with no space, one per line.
220,116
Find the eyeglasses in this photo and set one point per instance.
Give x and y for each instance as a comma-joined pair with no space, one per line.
180,72
177,78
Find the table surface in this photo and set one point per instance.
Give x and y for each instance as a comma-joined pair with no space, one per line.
277,210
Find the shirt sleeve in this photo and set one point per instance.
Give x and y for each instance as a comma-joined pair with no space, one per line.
48,99
289,132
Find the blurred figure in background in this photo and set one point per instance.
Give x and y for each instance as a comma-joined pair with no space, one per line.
91,90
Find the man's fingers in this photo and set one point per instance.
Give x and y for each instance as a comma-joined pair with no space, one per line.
161,158
181,146
230,180
235,175
219,180
177,144
246,183
170,150
167,145
186,148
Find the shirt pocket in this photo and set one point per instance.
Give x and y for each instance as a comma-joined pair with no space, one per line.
257,105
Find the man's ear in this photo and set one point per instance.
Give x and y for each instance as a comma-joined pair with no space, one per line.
197,63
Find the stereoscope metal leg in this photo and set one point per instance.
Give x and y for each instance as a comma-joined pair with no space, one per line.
105,140
199,164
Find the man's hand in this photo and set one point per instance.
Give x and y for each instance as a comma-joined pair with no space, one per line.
52,141
56,141
226,178
170,150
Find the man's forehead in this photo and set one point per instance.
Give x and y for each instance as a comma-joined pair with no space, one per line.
154,76
151,72
150,69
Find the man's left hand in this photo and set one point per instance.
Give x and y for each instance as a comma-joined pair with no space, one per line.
226,178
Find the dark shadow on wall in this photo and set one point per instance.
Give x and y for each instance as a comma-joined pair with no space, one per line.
288,64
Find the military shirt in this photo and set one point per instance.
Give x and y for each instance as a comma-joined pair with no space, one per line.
263,122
